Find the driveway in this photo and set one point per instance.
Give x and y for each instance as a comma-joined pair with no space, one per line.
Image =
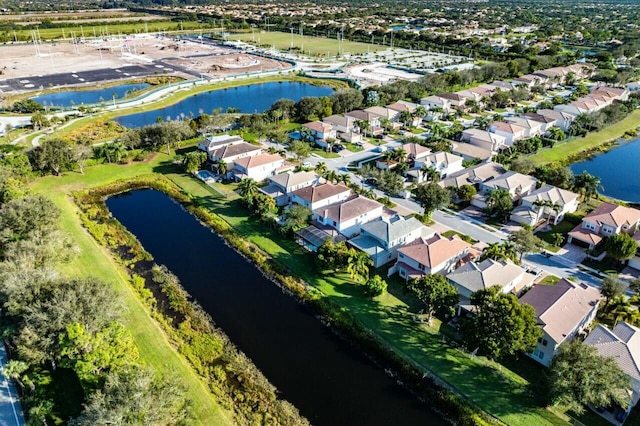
573,253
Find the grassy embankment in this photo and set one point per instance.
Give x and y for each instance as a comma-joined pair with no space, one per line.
561,152
155,349
496,389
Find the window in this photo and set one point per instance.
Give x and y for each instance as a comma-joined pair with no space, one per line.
544,342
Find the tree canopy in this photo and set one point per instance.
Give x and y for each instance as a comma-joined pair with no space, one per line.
436,293
501,325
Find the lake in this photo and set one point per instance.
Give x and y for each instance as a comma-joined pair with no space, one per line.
329,380
250,98
618,170
80,97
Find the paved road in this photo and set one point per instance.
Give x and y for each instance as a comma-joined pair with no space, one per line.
10,409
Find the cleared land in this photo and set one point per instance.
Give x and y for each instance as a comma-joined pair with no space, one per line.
155,349
561,151
314,46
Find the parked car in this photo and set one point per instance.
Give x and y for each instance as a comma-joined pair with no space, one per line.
359,143
306,164
337,147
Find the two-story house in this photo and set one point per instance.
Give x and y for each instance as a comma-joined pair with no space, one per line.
372,119
484,139
283,184
320,132
347,216
436,102
545,122
563,311
623,345
381,238
444,162
475,276
424,256
531,127
605,221
227,148
547,202
415,152
562,119
474,176
259,167
318,196
511,132
517,184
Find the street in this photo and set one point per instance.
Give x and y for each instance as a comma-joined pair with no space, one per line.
10,409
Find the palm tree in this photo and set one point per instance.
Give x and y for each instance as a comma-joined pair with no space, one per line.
359,263
587,184
430,173
405,117
248,188
482,122
363,125
321,168
556,133
400,155
345,179
420,111
222,167
331,176
438,131
14,370
493,251
118,150
510,251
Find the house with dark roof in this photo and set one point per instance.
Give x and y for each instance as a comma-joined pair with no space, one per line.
475,276
381,238
347,216
607,220
623,345
281,185
322,195
563,311
424,256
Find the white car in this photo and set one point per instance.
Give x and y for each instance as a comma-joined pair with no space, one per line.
306,164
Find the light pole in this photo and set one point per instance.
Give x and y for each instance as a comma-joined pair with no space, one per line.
291,46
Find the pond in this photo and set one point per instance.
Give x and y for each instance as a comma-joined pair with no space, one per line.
248,99
618,170
329,380
80,97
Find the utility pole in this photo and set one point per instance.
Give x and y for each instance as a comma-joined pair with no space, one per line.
291,46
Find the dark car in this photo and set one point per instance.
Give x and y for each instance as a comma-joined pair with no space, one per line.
371,181
337,147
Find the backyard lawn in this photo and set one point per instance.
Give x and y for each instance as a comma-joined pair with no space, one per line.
563,150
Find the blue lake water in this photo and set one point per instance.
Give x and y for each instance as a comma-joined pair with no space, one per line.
65,99
618,170
248,99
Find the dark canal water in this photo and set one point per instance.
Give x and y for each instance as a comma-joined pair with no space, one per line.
250,98
65,99
328,380
618,170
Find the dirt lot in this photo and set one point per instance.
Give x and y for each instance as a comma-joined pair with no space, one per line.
188,59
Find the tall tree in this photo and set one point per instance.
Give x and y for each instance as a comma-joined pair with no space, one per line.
611,288
300,149
525,242
193,161
359,263
587,184
431,197
436,293
579,376
621,247
53,155
499,203
248,188
296,217
501,325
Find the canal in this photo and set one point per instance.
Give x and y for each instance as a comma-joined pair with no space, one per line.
324,376
248,99
618,170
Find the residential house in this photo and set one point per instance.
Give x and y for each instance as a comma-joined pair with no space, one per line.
320,132
623,345
322,195
456,100
471,152
545,122
444,162
259,167
484,139
475,276
347,216
283,184
403,106
546,202
563,311
384,113
562,119
312,237
530,80
531,127
436,102
381,238
416,152
227,148
620,94
473,175
517,184
505,86
510,132
369,117
340,123
605,221
437,254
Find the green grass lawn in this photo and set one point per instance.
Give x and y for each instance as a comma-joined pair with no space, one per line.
562,228
94,260
496,389
561,151
315,46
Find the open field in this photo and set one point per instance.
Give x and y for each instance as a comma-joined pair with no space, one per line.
154,347
313,46
561,151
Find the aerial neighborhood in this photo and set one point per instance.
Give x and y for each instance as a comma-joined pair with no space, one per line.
299,213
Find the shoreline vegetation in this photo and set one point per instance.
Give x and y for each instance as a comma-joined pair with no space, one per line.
384,322
162,301
579,149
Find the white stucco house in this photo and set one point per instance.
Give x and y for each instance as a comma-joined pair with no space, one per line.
347,216
259,167
434,255
317,196
547,202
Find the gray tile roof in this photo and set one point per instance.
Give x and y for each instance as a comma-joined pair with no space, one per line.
622,344
392,228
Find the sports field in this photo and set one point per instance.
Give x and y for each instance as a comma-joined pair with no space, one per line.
313,46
